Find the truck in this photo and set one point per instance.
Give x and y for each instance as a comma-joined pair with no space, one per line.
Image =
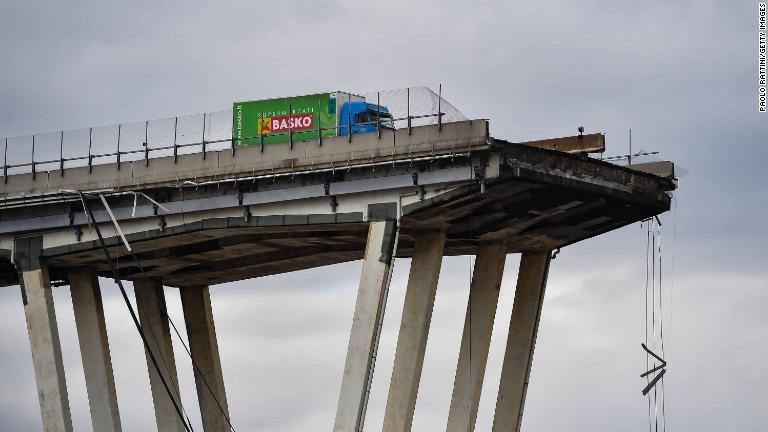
303,118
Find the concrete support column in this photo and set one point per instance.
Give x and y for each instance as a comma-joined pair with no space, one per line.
46,350
363,339
150,301
476,338
94,350
209,379
414,329
526,312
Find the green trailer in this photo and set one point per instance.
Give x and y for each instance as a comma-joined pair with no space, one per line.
304,118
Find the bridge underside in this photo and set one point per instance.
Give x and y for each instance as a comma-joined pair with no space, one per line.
525,209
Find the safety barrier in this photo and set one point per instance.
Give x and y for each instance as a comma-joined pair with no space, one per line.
139,142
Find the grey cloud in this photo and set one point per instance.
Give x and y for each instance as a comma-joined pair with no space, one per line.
682,76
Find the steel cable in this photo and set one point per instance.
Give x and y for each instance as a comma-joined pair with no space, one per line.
115,274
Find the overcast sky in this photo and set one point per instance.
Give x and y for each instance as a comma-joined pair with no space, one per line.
682,75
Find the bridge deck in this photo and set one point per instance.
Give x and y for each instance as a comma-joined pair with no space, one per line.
257,214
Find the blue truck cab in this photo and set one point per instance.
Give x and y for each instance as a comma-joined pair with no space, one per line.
363,118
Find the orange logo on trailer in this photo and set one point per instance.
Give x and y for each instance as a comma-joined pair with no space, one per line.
265,126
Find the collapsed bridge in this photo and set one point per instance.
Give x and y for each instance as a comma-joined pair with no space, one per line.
196,220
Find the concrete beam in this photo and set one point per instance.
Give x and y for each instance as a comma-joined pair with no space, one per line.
46,350
150,301
526,313
363,339
414,329
94,350
209,379
591,143
476,338
664,169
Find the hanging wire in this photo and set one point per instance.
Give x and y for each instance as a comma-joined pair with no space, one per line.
469,300
152,334
647,283
661,333
115,274
653,318
173,383
654,281
199,371
379,327
469,307
672,281
167,367
671,292
164,311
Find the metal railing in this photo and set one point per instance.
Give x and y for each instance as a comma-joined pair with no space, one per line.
200,133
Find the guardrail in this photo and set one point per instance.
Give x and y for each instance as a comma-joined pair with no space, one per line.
200,133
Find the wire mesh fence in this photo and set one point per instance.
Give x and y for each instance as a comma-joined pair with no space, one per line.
199,133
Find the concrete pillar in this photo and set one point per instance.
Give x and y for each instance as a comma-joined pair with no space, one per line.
94,350
46,350
526,312
150,301
209,379
476,338
363,339
414,329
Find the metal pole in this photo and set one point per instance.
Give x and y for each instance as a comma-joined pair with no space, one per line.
319,130
261,131
338,114
175,147
61,154
290,128
439,113
378,113
232,140
34,174
408,109
146,143
203,136
119,128
5,162
349,119
629,156
90,156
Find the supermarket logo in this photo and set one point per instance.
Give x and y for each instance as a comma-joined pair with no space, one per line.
297,122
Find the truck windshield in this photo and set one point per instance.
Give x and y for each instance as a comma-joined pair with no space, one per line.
386,119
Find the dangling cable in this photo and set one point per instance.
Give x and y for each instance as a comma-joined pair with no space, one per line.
117,261
653,319
168,368
671,293
647,282
661,334
118,281
197,369
674,248
469,316
657,414
469,300
164,311
379,327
